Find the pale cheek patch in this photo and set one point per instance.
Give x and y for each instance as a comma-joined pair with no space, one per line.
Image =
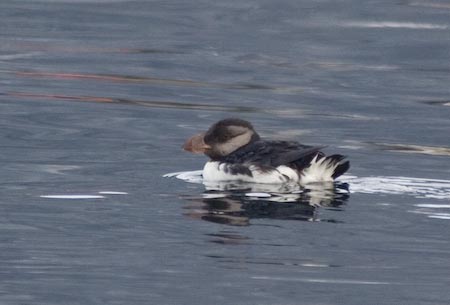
234,143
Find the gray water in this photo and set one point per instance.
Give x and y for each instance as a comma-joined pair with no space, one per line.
99,96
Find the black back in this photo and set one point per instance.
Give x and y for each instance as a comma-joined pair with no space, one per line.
273,153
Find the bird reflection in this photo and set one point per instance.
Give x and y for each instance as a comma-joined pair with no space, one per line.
237,204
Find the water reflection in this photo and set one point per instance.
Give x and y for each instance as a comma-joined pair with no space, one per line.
437,102
237,204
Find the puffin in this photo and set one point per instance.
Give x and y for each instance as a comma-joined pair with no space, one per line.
236,152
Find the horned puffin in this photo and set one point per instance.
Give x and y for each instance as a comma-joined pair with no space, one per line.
237,153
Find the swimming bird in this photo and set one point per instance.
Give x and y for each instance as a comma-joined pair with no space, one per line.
237,153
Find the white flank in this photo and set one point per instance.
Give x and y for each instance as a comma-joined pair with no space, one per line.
320,170
216,171
288,172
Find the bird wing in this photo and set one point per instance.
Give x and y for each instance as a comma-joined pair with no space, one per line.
273,153
295,155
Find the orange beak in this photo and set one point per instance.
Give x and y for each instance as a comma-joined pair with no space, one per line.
196,144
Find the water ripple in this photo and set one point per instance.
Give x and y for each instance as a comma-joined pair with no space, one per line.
395,25
145,103
146,80
418,149
437,5
318,280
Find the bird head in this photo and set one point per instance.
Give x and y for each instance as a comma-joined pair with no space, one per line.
222,138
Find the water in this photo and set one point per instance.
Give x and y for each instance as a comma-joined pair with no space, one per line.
97,97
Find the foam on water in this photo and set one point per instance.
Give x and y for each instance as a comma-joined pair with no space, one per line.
82,196
72,196
416,187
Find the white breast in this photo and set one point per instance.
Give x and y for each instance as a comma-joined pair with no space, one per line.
217,171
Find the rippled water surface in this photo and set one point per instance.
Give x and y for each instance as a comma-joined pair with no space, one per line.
97,97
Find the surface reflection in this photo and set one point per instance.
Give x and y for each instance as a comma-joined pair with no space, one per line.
238,204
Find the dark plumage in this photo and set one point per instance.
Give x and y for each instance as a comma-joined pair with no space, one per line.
237,151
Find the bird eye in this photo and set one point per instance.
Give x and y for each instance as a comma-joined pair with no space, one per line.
227,136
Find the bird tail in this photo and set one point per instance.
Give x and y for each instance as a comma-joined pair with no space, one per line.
341,165
324,168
